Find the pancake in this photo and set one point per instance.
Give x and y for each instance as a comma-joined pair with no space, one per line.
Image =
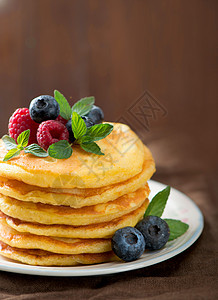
101,230
72,197
124,157
17,239
44,258
50,214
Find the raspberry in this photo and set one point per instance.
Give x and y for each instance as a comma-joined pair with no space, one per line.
21,121
61,120
50,132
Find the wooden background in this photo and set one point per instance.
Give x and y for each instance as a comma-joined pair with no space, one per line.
116,50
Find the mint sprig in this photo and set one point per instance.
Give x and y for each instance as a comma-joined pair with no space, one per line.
22,141
36,150
177,228
158,203
9,142
92,148
65,109
86,137
60,150
99,131
83,106
11,153
78,125
156,208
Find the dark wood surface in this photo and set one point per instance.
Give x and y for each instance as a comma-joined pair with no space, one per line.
114,50
124,52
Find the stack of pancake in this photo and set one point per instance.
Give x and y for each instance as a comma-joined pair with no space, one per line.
64,212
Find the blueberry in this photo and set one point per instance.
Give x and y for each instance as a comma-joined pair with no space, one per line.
96,114
44,108
155,231
87,121
69,128
128,243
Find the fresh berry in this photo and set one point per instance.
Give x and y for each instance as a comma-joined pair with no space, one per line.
96,114
70,131
128,243
50,132
61,120
21,121
44,108
155,231
87,121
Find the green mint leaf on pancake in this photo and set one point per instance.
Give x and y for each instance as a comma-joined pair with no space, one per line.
23,139
65,109
9,142
158,203
11,153
94,133
60,150
36,150
99,131
85,139
78,125
92,148
83,106
177,228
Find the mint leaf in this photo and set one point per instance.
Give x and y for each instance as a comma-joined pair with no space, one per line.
78,125
23,138
65,109
12,153
177,228
85,139
83,106
60,150
99,131
36,150
92,147
9,142
158,203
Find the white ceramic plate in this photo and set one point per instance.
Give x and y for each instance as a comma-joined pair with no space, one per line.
179,206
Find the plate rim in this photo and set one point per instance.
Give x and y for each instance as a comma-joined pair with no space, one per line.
114,267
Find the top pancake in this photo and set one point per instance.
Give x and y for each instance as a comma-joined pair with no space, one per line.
124,157
75,198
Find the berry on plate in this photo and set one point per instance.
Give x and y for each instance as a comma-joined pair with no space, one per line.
50,132
155,231
44,108
128,243
21,121
96,115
